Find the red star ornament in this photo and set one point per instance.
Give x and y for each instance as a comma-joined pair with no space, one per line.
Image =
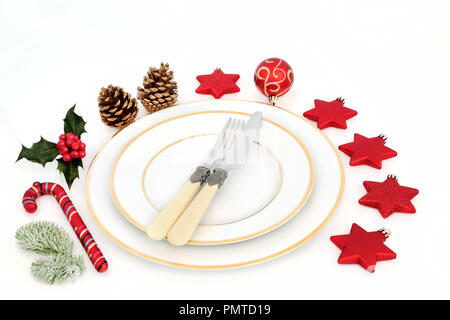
217,83
362,247
369,151
330,114
388,197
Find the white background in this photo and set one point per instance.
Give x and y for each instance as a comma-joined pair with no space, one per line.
388,59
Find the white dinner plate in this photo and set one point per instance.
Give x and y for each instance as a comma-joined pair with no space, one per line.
326,195
256,198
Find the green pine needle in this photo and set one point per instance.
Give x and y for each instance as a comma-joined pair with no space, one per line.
44,237
57,268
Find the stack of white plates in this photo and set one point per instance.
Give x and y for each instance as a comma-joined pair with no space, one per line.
266,208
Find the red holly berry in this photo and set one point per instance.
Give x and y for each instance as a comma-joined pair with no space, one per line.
67,157
75,146
69,142
61,144
64,150
74,154
82,145
62,137
70,135
82,154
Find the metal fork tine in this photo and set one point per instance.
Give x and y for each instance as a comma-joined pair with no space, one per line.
238,124
231,133
221,136
227,133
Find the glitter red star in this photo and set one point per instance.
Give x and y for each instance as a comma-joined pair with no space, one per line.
217,83
369,151
389,197
330,114
362,247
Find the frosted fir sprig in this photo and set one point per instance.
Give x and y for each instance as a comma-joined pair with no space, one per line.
57,268
44,237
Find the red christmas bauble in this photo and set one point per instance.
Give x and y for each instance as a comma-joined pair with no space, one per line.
274,77
365,248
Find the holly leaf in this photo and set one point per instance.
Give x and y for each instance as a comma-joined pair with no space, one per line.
69,169
74,123
41,152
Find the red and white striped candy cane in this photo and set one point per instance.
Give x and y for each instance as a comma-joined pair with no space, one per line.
82,232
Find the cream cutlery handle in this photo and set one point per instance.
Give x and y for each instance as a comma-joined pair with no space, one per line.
159,227
183,229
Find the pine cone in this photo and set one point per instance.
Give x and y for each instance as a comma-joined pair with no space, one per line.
160,90
117,108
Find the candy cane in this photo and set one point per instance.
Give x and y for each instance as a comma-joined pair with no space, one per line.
82,232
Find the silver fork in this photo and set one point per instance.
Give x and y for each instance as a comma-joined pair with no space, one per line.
161,225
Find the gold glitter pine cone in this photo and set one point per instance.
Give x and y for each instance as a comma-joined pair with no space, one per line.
117,107
159,89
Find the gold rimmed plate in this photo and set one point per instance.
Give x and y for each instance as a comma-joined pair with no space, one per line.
322,203
256,198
